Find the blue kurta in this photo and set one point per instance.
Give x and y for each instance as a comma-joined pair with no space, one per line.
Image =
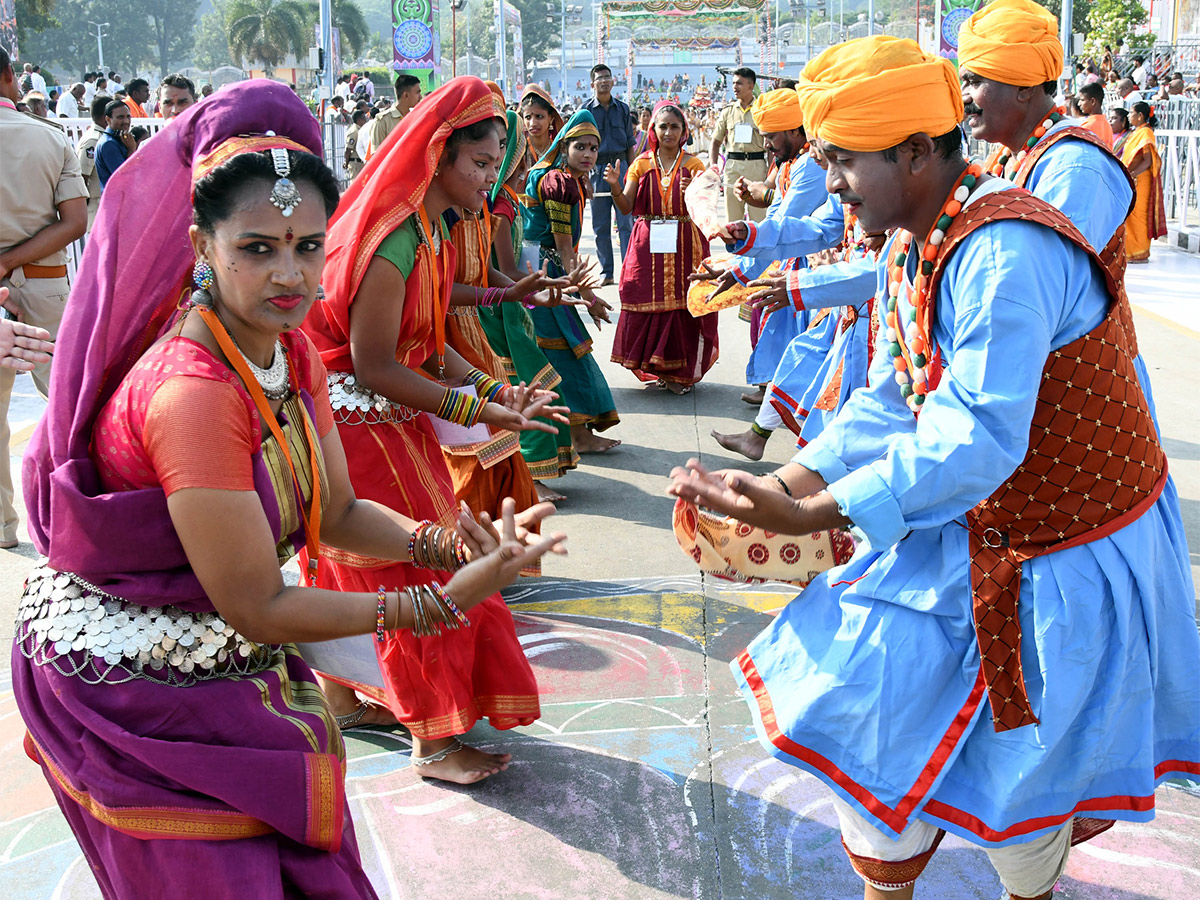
1089,187
871,678
845,284
803,193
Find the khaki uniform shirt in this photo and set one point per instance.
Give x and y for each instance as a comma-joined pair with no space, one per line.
372,135
49,175
86,151
730,117
353,163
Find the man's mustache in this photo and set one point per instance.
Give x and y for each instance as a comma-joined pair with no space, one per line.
970,109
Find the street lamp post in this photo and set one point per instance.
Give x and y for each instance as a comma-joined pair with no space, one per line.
455,6
100,36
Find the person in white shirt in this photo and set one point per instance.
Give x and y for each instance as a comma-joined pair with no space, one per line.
1129,93
39,83
71,103
1138,75
89,89
336,111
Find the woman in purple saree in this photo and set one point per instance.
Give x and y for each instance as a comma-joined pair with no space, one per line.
181,460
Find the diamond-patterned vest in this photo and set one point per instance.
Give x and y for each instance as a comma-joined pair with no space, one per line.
1094,461
1113,253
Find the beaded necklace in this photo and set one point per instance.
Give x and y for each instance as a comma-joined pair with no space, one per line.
1056,115
917,361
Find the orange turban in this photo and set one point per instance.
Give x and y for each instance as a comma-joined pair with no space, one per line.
871,93
777,110
1012,41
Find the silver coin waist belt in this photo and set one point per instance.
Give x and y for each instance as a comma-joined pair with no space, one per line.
81,630
355,404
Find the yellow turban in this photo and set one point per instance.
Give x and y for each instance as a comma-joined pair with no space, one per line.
1012,41
871,93
777,111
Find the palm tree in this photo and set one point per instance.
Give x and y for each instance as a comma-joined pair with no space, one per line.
266,30
348,19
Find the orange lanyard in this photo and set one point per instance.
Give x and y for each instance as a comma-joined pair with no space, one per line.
783,178
439,313
312,521
664,183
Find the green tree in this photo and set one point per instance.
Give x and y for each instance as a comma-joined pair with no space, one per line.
174,27
212,41
541,21
66,41
266,31
1113,20
1079,14
348,20
377,48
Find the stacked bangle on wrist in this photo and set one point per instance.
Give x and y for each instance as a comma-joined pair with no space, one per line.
460,408
381,613
491,296
433,608
487,387
433,546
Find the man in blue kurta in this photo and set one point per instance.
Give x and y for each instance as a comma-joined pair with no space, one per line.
1015,643
1009,56
800,189
810,380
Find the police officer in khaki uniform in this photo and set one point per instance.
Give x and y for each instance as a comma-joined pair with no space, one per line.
86,151
746,157
353,163
41,212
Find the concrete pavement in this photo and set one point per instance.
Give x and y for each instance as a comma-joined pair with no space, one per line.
643,779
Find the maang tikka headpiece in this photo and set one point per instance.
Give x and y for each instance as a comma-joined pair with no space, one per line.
284,195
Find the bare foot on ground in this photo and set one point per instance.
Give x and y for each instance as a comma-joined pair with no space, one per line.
748,444
545,493
466,765
587,441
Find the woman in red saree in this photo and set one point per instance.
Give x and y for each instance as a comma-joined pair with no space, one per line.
657,337
381,332
1148,218
181,460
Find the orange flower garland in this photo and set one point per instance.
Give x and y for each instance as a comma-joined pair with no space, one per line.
917,361
1056,115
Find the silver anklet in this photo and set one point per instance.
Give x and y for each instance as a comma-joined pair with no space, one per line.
432,758
350,719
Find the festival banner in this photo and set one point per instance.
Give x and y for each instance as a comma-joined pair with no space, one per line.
617,8
335,51
690,43
513,26
953,13
416,43
8,27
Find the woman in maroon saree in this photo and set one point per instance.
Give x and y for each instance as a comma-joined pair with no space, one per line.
657,338
185,740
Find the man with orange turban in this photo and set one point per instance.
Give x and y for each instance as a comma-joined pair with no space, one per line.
1009,58
1015,642
798,189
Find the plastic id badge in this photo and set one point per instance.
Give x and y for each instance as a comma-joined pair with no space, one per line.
743,133
664,236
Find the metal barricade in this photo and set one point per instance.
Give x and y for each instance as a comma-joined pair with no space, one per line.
1180,151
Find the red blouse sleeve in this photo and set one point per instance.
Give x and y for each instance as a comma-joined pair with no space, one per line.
503,208
559,186
197,434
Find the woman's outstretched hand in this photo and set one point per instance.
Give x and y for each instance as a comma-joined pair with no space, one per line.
515,550
519,407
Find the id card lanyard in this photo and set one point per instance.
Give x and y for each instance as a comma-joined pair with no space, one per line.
439,314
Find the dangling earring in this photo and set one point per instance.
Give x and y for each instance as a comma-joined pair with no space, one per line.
320,293
202,278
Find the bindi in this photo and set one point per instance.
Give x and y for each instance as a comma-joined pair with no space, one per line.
288,237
